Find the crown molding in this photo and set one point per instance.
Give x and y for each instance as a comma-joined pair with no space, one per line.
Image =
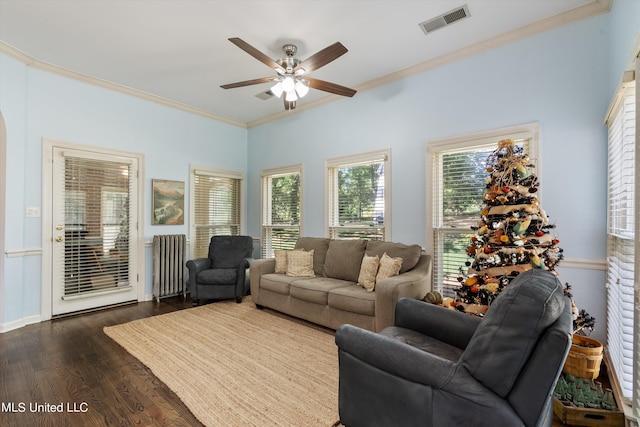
589,10
30,61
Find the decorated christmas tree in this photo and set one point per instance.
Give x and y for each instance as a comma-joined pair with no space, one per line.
513,234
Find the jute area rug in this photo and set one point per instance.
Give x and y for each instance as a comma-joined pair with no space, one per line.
234,365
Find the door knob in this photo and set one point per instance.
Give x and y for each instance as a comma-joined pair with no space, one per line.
59,227
59,239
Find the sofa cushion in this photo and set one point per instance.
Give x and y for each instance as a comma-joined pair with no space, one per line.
410,254
368,272
300,263
319,246
389,267
510,330
278,283
344,258
354,299
316,289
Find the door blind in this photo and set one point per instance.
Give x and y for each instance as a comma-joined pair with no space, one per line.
97,216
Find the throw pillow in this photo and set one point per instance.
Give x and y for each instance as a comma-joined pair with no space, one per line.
300,263
388,267
320,246
368,271
281,260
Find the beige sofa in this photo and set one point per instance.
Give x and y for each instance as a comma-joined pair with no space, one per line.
333,296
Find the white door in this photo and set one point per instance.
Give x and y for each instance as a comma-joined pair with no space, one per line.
94,203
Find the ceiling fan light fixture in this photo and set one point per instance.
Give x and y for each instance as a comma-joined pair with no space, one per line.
291,71
301,88
277,89
291,96
288,84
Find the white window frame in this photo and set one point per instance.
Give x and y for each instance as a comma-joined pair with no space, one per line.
267,205
618,347
221,173
331,195
434,149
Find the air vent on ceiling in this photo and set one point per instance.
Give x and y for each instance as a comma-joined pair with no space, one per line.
265,95
445,19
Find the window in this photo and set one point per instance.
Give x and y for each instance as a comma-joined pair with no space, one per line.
216,207
621,244
358,196
92,260
281,209
458,170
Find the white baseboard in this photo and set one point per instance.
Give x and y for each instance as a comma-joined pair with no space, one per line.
15,324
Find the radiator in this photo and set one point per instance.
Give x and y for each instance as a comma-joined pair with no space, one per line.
169,269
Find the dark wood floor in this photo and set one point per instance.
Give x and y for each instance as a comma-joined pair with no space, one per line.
70,361
71,364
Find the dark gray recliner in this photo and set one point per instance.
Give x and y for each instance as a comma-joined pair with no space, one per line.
223,274
439,367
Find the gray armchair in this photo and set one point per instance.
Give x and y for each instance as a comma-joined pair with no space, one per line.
438,367
223,274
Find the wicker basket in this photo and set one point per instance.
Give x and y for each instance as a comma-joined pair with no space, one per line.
585,357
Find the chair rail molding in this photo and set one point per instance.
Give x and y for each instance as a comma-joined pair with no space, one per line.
13,253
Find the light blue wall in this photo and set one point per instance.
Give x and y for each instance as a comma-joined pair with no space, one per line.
38,104
559,79
624,24
563,79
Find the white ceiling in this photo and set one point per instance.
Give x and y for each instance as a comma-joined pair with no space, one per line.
177,52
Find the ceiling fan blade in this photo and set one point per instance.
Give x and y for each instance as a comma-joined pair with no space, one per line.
257,54
330,87
322,58
248,82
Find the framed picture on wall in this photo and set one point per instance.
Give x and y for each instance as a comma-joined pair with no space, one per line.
168,202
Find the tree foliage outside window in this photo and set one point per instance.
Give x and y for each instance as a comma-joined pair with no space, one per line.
357,196
281,216
285,199
463,186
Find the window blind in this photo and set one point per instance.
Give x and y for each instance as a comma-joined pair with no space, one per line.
621,239
459,181
216,209
280,211
357,199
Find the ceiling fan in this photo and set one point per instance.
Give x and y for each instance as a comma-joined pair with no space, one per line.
291,80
